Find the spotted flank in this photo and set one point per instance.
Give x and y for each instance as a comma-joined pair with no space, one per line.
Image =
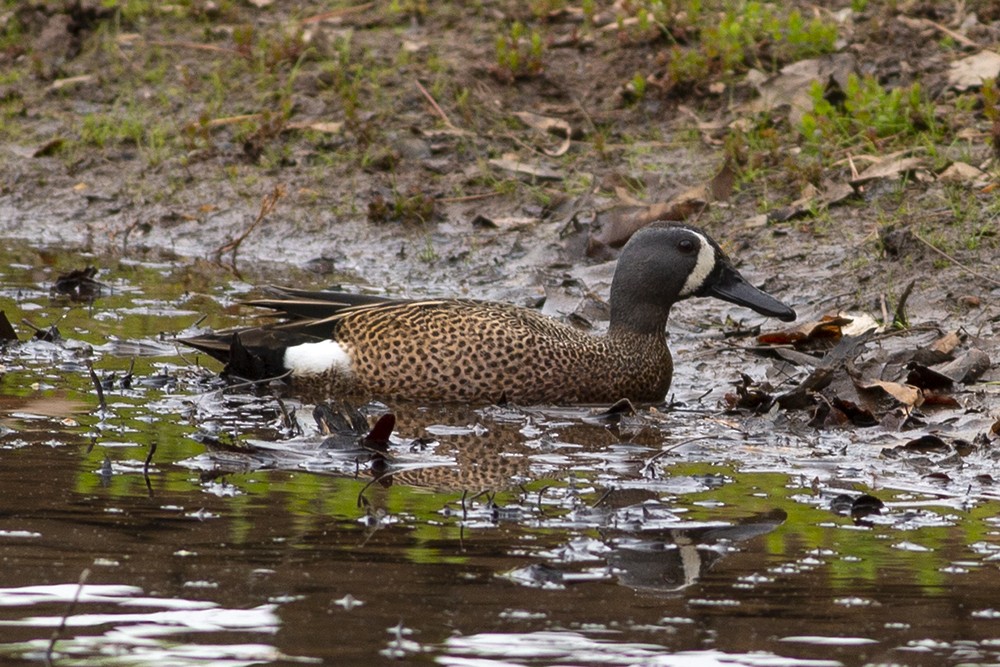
334,344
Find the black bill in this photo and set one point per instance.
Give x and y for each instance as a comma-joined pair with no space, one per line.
730,286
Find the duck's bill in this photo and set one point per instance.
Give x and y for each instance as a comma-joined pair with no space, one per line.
734,288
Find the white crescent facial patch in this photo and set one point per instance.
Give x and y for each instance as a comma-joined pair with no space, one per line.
703,267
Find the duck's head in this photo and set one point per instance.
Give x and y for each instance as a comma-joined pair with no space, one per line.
665,263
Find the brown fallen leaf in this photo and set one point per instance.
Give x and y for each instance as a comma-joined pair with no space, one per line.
905,394
721,185
50,147
812,199
827,329
946,344
617,225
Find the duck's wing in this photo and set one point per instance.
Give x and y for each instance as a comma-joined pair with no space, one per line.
307,317
295,304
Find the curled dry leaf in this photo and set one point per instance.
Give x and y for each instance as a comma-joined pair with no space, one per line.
554,126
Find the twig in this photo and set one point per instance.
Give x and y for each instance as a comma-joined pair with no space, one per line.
899,317
69,612
455,200
197,46
957,36
955,261
97,385
145,466
666,450
267,205
434,104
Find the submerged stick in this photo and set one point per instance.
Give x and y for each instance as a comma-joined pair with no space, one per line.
97,385
69,612
145,467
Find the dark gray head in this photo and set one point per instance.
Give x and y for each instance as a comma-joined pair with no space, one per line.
665,263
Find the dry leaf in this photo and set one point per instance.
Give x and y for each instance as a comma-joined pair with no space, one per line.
889,169
790,88
618,224
907,395
554,126
971,72
962,173
829,328
510,162
326,127
59,84
946,344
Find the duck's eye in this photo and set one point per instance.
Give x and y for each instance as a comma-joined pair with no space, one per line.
687,246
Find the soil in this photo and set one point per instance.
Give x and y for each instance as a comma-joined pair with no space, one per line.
390,142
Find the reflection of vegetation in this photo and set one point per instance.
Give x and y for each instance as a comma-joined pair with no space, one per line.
428,526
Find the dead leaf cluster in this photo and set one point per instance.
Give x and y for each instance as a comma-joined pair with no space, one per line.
866,379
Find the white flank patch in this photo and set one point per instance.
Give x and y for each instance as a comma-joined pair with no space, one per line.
316,358
703,267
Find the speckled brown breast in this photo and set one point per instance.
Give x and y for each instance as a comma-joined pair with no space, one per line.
474,351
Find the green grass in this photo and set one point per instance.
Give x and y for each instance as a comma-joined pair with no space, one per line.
519,52
868,115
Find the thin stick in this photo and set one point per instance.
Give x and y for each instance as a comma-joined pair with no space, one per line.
955,261
69,612
97,385
267,205
145,468
434,104
455,200
899,318
197,46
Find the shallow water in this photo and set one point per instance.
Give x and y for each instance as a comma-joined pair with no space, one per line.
500,535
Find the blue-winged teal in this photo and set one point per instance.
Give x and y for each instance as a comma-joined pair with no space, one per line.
464,350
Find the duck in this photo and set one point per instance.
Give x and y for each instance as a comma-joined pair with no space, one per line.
337,344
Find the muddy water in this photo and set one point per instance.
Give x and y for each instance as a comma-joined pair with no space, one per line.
500,535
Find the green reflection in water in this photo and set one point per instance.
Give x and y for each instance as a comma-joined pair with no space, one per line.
152,298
